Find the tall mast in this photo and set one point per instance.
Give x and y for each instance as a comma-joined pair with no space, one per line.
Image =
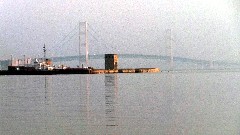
44,52
44,55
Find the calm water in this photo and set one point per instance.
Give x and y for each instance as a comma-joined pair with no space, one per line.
205,103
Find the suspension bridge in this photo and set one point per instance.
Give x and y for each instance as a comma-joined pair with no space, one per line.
83,38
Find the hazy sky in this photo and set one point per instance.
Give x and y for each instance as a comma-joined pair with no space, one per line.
201,29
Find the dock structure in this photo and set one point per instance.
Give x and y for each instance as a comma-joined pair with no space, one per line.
130,70
111,66
31,71
44,68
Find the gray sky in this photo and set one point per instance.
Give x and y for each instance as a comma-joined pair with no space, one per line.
201,29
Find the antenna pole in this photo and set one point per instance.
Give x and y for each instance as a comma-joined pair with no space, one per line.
44,55
44,51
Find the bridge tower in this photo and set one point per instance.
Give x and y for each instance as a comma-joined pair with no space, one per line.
83,42
169,51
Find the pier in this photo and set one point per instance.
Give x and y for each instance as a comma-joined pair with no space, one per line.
78,71
132,70
45,67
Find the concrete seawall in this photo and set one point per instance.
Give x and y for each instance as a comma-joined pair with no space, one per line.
77,71
131,70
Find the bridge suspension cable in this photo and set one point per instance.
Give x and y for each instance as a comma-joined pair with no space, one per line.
97,37
84,31
69,36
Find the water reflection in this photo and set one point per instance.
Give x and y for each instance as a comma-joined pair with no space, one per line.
56,117
111,93
169,104
47,96
48,91
86,106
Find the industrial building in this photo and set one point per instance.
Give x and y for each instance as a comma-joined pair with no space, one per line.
111,61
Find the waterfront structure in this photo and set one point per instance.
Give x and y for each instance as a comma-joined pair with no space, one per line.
43,66
111,61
